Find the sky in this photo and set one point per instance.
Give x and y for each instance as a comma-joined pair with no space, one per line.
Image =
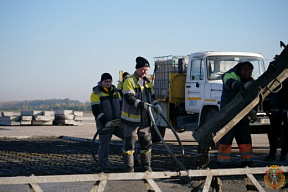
57,49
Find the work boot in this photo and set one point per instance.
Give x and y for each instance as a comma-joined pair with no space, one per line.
270,157
146,161
129,162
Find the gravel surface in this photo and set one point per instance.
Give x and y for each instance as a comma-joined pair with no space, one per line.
64,156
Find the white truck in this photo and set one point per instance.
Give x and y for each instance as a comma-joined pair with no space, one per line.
189,87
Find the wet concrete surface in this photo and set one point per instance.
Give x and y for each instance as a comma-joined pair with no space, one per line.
67,150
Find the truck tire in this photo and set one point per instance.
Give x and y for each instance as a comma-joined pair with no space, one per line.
154,135
208,114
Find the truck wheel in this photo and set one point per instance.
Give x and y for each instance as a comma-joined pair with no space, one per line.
208,114
155,137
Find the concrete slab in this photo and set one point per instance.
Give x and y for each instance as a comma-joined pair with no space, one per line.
78,113
26,118
28,122
7,113
78,118
58,112
9,123
64,116
10,118
36,122
31,113
48,113
43,118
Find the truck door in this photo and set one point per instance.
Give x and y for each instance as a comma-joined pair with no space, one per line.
194,87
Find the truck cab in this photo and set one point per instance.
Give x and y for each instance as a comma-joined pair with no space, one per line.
189,87
203,86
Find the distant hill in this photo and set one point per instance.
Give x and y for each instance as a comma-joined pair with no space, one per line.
48,104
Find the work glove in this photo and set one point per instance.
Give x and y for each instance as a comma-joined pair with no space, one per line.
108,124
146,105
116,122
246,85
158,109
253,115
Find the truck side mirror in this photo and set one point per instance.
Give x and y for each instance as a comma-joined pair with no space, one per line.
180,65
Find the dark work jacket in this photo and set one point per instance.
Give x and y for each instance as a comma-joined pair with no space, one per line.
277,102
232,85
105,104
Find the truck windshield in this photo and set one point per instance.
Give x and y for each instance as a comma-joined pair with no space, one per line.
217,65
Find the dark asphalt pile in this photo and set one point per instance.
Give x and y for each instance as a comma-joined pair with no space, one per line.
62,156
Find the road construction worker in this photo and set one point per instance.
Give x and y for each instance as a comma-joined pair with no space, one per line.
236,79
138,94
125,75
276,107
106,108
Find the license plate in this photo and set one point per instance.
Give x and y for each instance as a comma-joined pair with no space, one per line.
266,121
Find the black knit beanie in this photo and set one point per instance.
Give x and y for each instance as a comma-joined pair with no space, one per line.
125,74
105,76
141,62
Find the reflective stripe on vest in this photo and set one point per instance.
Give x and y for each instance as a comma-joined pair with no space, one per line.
131,86
131,117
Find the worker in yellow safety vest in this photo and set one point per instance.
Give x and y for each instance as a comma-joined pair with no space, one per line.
125,75
138,95
106,108
236,79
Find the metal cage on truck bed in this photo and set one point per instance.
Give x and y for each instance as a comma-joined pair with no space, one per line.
164,66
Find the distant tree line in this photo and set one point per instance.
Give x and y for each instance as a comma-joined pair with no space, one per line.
45,105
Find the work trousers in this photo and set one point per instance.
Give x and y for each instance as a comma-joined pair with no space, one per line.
104,143
275,125
242,135
131,133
